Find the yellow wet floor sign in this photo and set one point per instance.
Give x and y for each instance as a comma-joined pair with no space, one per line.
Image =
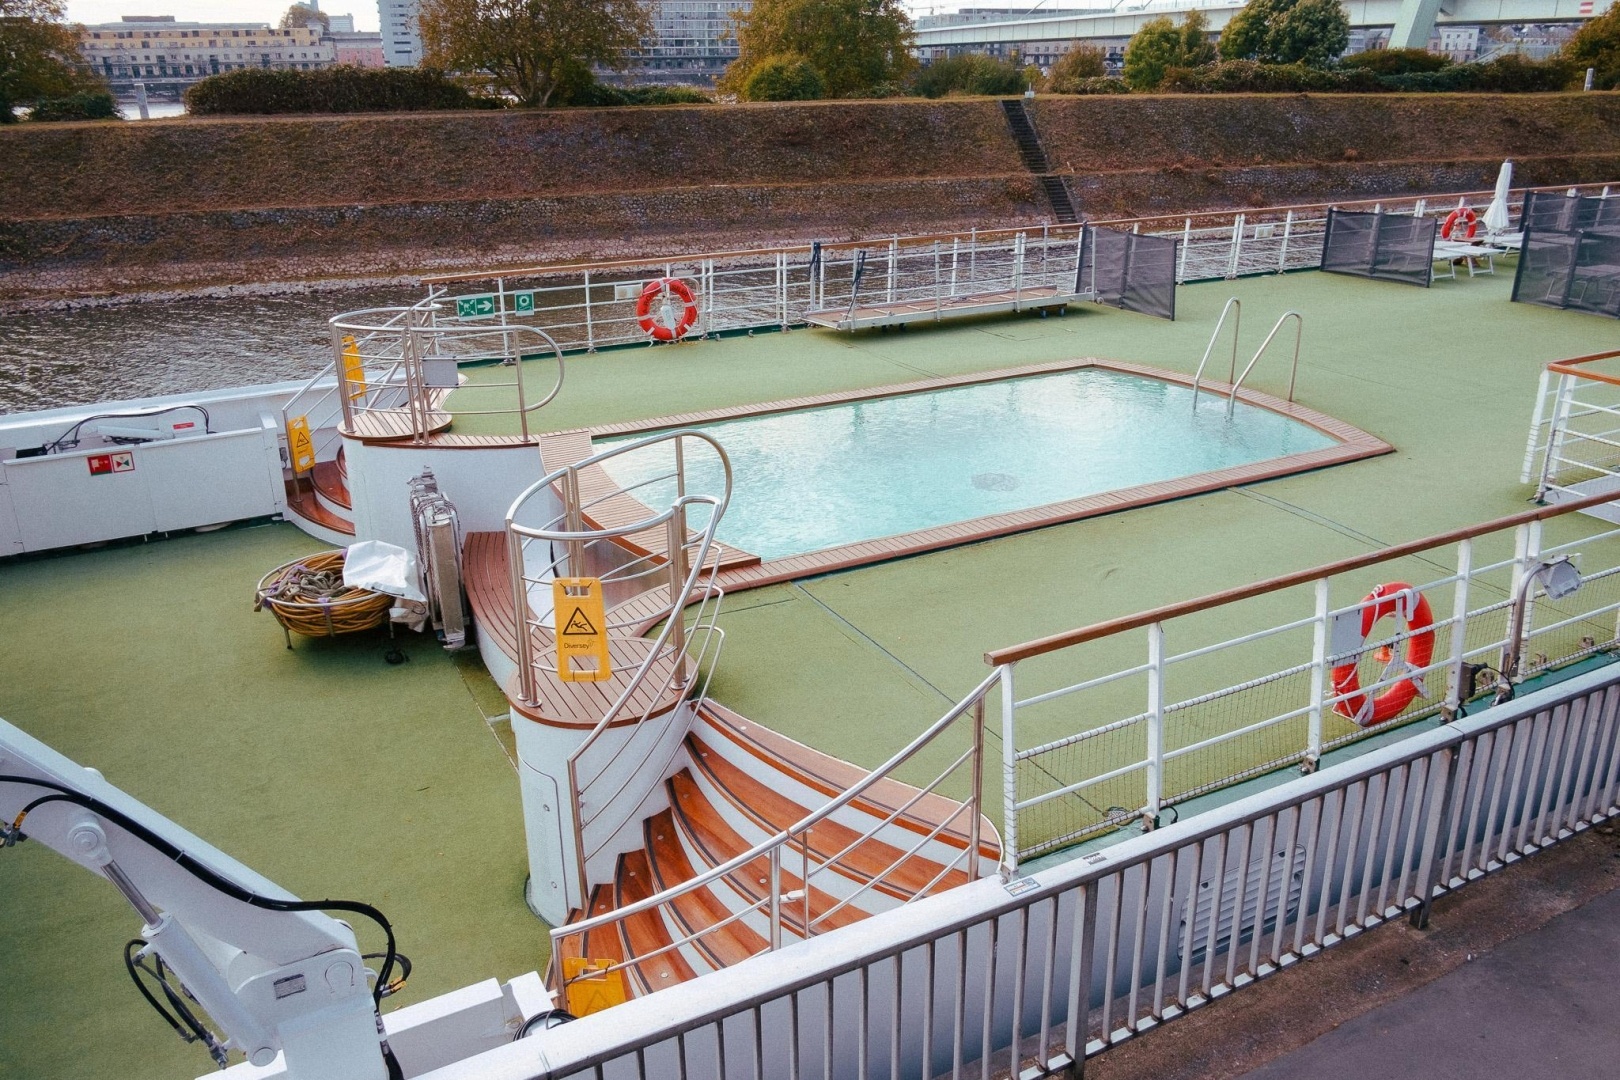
354,368
582,641
590,988
299,446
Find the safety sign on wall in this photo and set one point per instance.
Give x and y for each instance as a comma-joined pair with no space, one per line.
102,464
581,625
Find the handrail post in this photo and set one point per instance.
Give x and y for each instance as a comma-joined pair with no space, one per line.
522,398
1319,651
1526,551
1009,776
574,522
1537,417
1288,232
520,600
1155,726
342,376
976,792
1237,246
776,897
590,330
1459,632
675,555
1299,334
1186,243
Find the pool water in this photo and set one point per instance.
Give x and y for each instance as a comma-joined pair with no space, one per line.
818,478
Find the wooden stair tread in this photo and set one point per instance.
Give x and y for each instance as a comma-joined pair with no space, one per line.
301,500
833,776
584,704
867,861
488,581
697,909
719,842
328,479
645,932
390,425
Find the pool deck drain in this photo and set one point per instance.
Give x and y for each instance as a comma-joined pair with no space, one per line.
1350,444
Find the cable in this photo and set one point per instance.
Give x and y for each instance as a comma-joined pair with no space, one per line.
66,440
550,1018
63,793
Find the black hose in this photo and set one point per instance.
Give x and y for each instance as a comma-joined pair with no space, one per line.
63,793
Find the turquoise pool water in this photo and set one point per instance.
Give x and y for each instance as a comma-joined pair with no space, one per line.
817,478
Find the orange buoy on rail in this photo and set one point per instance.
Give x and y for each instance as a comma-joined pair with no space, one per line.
667,325
1465,216
1406,603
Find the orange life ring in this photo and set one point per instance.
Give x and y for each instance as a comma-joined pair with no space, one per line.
676,326
1398,599
1463,214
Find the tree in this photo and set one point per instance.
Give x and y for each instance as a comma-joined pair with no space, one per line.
1081,62
1597,45
1161,45
39,56
783,78
1311,32
531,48
854,45
301,15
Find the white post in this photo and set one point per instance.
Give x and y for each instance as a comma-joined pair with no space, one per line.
1009,776
1319,657
1526,551
1237,246
1536,418
1556,433
894,254
956,245
1186,243
1155,725
938,300
590,331
1288,232
1422,205
1459,631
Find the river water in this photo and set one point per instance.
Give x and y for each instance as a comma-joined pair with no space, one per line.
77,357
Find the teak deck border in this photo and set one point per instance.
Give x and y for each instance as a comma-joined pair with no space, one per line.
1352,444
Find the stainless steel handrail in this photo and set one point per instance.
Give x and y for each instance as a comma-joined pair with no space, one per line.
1237,324
1293,371
773,846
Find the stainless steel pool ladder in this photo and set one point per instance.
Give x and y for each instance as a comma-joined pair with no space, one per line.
1233,304
1293,371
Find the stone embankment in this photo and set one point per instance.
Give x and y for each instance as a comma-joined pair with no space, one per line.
93,208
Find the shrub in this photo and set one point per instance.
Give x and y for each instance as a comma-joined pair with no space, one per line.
784,77
1511,74
1161,45
1074,67
331,90
972,73
1095,86
1396,61
1252,77
86,105
601,95
1596,45
880,90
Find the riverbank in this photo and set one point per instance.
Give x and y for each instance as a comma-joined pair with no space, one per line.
90,211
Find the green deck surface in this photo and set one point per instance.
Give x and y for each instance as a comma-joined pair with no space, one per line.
336,774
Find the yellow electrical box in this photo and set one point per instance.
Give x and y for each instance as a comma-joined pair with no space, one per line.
300,448
354,368
589,987
582,639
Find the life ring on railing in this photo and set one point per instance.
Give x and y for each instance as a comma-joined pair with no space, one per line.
1464,215
667,326
1401,600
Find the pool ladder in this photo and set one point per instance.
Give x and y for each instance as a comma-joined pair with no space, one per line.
1233,379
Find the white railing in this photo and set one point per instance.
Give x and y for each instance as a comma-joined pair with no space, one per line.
673,571
1574,445
794,901
1123,720
1030,978
587,306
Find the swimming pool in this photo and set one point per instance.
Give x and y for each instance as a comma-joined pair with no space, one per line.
810,479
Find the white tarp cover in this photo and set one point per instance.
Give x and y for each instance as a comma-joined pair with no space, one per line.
387,568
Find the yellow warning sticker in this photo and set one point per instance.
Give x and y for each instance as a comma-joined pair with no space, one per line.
589,987
582,640
354,368
299,446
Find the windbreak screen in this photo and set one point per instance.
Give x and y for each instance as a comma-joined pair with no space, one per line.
1389,247
1129,271
1578,271
1552,211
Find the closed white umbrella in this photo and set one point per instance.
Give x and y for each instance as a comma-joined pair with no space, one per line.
1496,215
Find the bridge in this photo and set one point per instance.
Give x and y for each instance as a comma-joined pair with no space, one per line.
1413,20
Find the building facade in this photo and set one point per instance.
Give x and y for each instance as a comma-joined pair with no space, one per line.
168,56
358,48
401,35
693,41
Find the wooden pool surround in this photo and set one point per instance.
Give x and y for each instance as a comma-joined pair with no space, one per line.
1351,444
